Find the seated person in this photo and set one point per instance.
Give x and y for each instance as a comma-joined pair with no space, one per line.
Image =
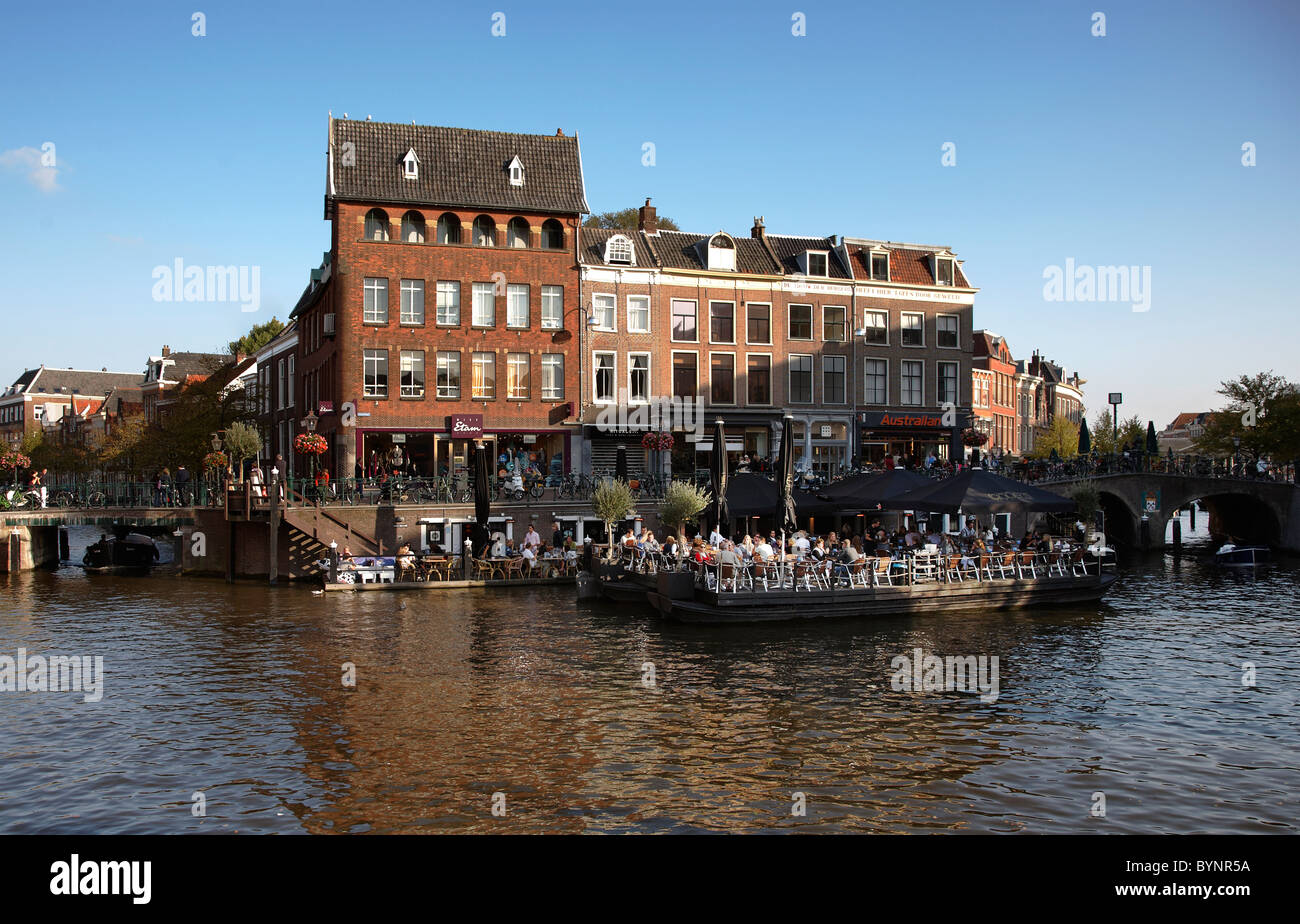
529,557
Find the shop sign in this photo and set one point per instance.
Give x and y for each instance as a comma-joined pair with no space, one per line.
326,407
873,419
529,438
465,426
399,437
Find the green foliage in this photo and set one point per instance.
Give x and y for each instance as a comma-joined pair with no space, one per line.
1086,498
612,500
1062,436
1262,415
257,337
626,220
681,504
241,441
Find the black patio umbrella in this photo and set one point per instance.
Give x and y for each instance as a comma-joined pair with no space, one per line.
1085,438
977,489
620,463
1153,445
481,533
785,513
718,475
859,493
750,494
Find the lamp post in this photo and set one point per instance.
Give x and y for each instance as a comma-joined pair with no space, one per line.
1236,449
1115,399
588,323
309,424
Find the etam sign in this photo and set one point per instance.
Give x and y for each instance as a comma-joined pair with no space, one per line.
465,426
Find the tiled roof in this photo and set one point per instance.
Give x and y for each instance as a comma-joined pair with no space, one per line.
187,364
788,249
77,381
592,251
907,266
1186,419
457,167
681,250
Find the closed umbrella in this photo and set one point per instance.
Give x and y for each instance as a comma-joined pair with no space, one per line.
785,514
1085,439
1153,445
482,501
977,489
718,475
620,463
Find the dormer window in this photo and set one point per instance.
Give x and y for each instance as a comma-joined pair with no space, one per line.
815,262
618,249
943,270
516,170
880,265
722,252
411,165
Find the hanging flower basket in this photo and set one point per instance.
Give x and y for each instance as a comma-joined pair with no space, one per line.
12,458
661,442
312,444
215,460
972,437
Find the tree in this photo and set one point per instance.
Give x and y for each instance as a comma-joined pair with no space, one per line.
612,501
626,220
122,447
1086,499
1062,436
242,442
1260,416
257,337
1103,440
1133,434
682,503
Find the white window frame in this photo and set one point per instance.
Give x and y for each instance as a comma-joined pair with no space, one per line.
291,389
475,362
632,328
672,328
902,387
844,378
771,385
956,380
649,366
411,165
490,290
410,286
866,378
513,290
768,306
366,361
510,233
401,371
723,301
279,385
952,271
844,322
881,312
789,318
553,392
871,269
528,375
595,376
619,245
812,378
807,263
516,171
732,354
372,286
903,328
452,287
553,294
438,365
608,303
957,323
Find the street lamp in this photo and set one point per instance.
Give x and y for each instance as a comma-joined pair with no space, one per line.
589,323
1236,448
309,424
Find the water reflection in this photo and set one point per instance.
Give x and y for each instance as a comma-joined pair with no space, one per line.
236,692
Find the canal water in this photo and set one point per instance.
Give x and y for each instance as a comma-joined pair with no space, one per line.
237,693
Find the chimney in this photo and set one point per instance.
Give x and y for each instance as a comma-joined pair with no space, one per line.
167,351
759,230
646,218
559,133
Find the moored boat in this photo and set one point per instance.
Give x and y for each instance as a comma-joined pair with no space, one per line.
1241,556
132,552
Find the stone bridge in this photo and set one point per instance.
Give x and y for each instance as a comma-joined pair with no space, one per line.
1139,505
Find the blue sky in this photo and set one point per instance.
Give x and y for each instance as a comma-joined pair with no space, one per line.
1117,150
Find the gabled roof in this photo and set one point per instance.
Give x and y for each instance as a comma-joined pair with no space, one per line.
592,248
46,380
681,250
789,248
458,167
185,365
909,265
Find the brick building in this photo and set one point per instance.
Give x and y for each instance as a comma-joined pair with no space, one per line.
446,308
994,383
41,397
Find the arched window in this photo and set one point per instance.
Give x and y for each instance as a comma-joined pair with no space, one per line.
376,225
485,232
517,233
413,228
448,229
618,249
552,235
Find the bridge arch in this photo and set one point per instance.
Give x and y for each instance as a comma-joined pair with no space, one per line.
1122,517
1234,514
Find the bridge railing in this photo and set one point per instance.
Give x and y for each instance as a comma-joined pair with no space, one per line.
1045,472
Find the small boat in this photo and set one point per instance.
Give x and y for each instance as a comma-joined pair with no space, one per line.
132,552
1241,556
